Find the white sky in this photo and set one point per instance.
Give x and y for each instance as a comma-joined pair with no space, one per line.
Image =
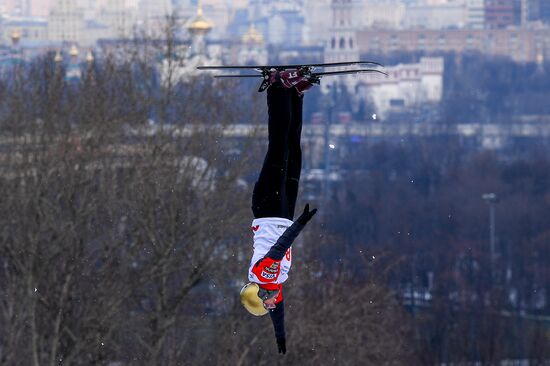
41,7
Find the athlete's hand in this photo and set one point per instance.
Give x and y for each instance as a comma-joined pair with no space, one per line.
306,215
281,343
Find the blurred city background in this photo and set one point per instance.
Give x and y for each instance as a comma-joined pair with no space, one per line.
126,176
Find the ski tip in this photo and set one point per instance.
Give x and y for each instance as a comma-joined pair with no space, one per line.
347,72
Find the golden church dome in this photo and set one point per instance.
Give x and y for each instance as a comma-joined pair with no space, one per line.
58,57
90,56
15,35
199,23
73,51
252,35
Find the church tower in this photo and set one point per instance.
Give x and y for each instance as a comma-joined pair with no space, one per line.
342,42
253,50
198,29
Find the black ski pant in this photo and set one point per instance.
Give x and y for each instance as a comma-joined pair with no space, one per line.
276,190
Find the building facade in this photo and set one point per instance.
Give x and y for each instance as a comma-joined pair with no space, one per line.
66,21
118,17
316,17
440,16
521,45
502,13
29,29
475,14
544,11
407,85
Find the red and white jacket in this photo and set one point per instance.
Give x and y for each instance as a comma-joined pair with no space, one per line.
269,273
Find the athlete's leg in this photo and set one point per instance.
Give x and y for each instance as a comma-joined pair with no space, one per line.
294,152
269,195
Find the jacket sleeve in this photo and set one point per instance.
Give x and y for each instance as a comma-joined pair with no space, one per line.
278,318
284,242
267,270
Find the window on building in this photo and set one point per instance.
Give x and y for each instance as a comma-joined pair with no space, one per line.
342,43
513,40
396,103
350,43
470,41
486,41
422,41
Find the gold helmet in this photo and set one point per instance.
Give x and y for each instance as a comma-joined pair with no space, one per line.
251,299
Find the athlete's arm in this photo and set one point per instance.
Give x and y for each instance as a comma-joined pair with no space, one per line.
284,242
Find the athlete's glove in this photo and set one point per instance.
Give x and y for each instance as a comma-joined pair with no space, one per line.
306,215
281,343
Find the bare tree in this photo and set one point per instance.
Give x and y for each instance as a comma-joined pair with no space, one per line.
108,225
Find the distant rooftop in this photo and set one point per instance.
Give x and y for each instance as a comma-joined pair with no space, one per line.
23,21
94,24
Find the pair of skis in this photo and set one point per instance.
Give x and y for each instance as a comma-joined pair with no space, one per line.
307,70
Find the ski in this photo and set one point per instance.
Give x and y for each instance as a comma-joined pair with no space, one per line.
306,70
285,67
313,74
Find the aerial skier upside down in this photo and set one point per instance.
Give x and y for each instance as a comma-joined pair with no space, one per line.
274,199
